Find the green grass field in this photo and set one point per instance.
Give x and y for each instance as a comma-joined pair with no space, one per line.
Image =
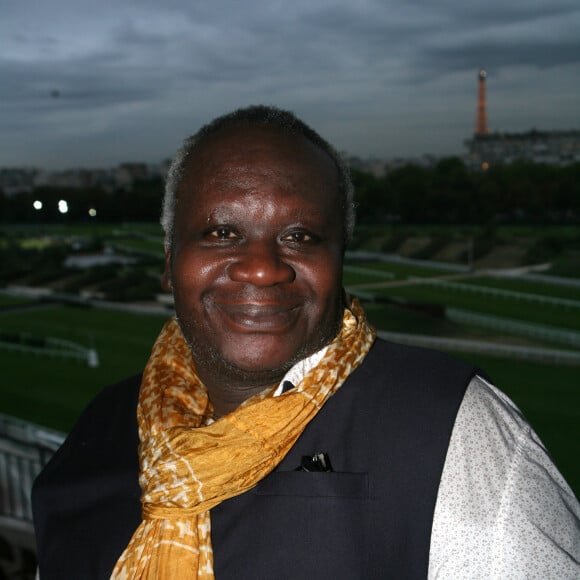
524,286
52,392
526,311
11,301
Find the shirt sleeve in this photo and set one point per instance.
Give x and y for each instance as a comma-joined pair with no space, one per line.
503,510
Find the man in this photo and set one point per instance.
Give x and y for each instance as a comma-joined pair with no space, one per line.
277,436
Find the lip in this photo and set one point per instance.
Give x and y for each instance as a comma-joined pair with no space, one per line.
259,317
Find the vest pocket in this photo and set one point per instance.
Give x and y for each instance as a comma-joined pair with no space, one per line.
295,525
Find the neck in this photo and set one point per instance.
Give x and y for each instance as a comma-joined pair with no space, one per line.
227,393
225,402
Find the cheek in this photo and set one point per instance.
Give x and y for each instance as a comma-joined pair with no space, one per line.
326,274
188,283
192,272
326,285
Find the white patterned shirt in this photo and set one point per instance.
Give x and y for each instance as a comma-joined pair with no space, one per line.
503,509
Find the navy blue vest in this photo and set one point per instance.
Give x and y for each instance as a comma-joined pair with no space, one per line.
386,432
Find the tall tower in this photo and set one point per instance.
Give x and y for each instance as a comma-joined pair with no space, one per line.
481,124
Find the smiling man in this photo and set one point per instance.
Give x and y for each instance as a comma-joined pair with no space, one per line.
271,434
255,258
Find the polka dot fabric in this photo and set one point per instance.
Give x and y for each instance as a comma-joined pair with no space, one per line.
503,509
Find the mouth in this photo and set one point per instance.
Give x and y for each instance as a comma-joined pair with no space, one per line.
259,317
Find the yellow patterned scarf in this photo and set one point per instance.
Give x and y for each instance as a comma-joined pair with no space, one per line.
188,467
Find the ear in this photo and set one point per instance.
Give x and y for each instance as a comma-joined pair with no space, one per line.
166,276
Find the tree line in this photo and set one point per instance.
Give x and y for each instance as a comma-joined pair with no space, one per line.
447,193
450,193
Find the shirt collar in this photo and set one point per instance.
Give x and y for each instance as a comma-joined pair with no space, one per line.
299,370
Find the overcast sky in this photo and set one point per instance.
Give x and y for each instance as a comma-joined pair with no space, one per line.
85,83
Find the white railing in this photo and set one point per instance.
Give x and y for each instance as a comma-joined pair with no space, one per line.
541,331
55,348
368,271
537,278
538,354
396,259
24,449
499,292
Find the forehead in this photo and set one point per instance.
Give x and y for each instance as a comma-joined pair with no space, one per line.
259,153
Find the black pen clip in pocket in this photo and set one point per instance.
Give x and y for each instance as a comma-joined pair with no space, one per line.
318,462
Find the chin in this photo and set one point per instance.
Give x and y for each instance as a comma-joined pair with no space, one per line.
258,363
272,360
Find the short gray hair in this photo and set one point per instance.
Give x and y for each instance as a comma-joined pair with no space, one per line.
262,115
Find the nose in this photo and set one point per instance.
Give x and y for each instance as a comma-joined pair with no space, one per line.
260,264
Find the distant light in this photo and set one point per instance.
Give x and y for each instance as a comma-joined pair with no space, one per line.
37,205
92,212
62,206
485,165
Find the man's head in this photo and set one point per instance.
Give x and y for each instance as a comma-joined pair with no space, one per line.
260,115
255,256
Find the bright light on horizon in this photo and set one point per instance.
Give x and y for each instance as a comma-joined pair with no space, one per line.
37,205
63,206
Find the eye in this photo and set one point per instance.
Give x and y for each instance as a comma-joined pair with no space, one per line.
222,233
299,237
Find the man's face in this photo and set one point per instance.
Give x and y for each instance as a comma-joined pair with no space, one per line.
257,255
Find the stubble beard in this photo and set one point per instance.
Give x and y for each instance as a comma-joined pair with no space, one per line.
206,356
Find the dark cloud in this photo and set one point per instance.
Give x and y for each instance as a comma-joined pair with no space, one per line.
376,76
